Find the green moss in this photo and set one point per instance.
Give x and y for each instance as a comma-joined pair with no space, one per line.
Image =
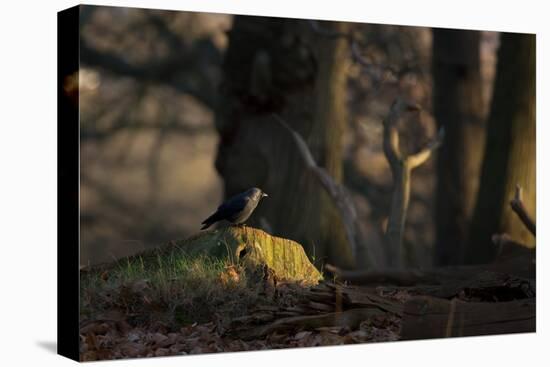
252,247
183,282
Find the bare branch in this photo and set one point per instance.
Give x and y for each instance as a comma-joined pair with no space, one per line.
519,208
91,133
503,241
422,156
336,192
300,143
157,72
379,73
401,167
391,136
391,147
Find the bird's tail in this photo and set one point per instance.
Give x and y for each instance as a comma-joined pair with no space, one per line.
205,225
209,221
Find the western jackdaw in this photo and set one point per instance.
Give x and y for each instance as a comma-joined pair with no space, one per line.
236,209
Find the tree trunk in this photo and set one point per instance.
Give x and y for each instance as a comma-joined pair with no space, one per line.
281,66
458,107
510,149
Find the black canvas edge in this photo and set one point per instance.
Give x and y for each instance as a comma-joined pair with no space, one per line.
68,174
68,186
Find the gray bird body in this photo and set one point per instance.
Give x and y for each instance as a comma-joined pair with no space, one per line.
236,209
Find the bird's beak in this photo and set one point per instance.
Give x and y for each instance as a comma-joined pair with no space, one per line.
264,195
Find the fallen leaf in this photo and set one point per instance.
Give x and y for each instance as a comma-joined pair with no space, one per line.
158,338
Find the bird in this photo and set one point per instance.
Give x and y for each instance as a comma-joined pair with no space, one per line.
236,209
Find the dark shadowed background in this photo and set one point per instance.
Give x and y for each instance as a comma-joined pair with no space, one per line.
176,111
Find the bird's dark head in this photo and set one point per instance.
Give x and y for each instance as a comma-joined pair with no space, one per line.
256,194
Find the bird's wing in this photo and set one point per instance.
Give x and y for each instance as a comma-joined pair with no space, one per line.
234,204
228,209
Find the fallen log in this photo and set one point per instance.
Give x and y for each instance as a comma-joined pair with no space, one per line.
350,319
360,297
496,303
522,266
399,277
428,317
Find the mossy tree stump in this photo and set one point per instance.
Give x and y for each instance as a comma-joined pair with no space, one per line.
253,247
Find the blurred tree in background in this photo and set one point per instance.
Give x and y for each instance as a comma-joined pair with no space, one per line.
177,111
281,66
458,107
510,153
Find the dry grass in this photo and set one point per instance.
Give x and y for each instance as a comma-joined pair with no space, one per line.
171,289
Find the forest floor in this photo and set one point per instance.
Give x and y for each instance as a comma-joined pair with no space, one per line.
119,338
176,306
205,305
